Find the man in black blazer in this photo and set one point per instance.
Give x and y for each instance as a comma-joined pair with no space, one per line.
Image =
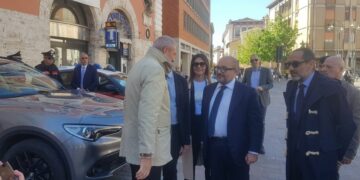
319,121
233,124
180,124
85,75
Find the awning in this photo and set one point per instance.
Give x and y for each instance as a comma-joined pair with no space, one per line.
94,3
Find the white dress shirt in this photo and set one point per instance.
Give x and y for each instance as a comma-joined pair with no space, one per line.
223,111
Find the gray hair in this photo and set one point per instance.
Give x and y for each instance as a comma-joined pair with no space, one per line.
338,61
163,42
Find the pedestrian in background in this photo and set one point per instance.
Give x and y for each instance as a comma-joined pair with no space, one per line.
180,124
146,134
261,79
233,124
85,75
333,67
48,67
319,121
199,79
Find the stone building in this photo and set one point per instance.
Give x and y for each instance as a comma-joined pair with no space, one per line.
328,27
116,32
232,35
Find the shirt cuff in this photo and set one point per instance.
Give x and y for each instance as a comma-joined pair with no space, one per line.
252,152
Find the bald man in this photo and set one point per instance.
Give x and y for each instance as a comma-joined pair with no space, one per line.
333,67
233,125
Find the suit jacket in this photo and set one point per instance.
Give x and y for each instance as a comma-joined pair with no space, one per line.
325,125
245,126
182,108
353,98
147,111
265,81
90,81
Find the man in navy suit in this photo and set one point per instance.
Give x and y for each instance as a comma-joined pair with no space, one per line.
180,124
85,75
233,124
319,122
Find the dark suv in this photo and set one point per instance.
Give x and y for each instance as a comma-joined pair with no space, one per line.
52,134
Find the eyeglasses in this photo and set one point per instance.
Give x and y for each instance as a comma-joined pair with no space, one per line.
223,69
294,64
201,64
84,57
254,60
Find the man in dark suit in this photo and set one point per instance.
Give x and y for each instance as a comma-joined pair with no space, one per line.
85,75
233,124
180,124
319,121
259,78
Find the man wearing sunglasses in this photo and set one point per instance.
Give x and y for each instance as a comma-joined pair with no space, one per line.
259,78
233,125
319,122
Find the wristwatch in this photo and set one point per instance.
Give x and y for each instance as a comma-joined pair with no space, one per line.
145,155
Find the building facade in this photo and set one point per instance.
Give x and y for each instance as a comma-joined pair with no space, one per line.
188,21
328,27
218,52
116,32
232,36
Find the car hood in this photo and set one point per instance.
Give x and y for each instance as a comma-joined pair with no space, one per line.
87,108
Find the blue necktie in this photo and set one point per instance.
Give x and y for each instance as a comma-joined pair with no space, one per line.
83,69
299,101
214,111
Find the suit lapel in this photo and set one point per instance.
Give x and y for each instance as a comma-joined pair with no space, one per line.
235,97
313,93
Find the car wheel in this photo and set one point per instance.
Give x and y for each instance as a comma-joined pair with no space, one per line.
36,159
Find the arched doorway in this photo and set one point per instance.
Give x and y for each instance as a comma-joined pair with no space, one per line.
69,31
119,55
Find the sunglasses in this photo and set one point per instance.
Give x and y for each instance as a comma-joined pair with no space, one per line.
294,64
254,60
201,64
84,58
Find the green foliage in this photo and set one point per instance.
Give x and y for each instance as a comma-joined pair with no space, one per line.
264,42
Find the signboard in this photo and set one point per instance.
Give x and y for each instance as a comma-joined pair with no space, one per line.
94,3
110,24
111,38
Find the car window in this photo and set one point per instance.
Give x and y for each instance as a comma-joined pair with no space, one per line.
17,79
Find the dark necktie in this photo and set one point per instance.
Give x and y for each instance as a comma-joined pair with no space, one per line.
299,101
214,111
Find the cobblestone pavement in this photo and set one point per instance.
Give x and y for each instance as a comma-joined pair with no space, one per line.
271,166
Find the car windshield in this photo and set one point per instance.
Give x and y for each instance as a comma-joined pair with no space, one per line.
17,79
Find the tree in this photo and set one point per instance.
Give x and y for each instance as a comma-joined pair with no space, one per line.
264,42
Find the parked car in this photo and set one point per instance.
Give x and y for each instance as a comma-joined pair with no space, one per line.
50,133
111,83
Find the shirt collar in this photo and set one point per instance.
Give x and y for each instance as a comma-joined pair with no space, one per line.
230,85
256,69
308,80
170,75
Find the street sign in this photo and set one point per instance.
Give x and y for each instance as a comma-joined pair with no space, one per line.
110,24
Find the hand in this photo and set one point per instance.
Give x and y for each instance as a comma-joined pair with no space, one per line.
46,72
184,149
19,175
251,158
346,161
260,89
145,167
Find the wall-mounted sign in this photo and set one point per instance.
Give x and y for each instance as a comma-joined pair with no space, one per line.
111,38
110,24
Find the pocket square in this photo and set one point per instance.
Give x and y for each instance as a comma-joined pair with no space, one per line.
313,112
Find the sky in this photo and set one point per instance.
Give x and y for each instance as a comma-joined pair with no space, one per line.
224,10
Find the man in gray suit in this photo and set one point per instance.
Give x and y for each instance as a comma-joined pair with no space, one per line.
259,78
333,67
146,133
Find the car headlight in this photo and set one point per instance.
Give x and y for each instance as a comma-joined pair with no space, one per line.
91,132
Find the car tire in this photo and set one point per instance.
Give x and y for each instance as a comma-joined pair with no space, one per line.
36,159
